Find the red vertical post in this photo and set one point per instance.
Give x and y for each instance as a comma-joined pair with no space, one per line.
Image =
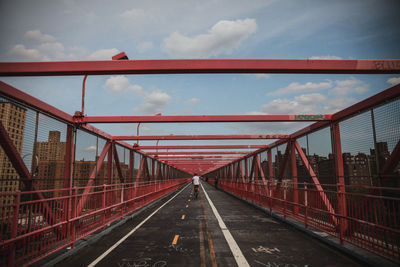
294,178
284,199
271,179
337,149
306,206
103,205
68,171
122,201
73,212
14,228
110,164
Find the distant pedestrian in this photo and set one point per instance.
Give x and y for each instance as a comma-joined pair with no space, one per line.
216,183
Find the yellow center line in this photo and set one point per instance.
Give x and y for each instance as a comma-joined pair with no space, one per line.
183,217
202,249
209,238
175,241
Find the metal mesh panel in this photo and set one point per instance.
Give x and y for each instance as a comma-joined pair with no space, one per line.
124,167
320,155
85,157
19,122
274,153
102,175
302,174
136,164
50,149
357,140
249,165
150,167
387,128
264,163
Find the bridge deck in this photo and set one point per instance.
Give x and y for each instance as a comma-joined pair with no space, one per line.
200,241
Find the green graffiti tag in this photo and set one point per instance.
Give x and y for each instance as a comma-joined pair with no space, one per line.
315,117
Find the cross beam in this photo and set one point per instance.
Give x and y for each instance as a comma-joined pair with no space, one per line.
201,118
197,153
202,137
203,147
184,66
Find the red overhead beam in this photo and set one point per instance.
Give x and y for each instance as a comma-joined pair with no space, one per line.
203,137
197,157
197,153
182,66
201,118
203,147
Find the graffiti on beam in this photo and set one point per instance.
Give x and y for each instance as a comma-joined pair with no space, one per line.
387,65
314,117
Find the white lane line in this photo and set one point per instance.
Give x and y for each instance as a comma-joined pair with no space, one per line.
237,253
102,256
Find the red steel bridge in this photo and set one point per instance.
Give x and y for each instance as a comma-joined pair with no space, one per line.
52,200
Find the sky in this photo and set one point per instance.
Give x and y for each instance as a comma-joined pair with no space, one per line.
56,30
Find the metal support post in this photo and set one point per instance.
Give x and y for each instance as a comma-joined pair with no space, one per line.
294,178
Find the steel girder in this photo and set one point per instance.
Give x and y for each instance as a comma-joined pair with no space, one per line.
184,66
201,118
203,137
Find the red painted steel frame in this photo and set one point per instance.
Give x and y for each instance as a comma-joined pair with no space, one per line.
93,175
196,153
197,157
314,178
393,161
202,137
203,147
182,66
201,118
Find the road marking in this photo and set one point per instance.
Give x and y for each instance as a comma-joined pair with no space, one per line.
237,253
175,241
108,251
183,217
210,242
202,249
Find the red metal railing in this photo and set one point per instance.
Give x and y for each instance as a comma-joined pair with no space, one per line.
371,221
28,234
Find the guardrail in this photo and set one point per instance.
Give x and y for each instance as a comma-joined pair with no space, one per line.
32,229
370,220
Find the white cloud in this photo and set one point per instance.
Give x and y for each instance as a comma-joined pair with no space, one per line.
303,104
36,35
393,81
144,47
20,51
104,54
325,57
155,102
192,101
222,38
349,86
307,87
117,83
52,50
256,113
136,14
262,76
89,149
338,98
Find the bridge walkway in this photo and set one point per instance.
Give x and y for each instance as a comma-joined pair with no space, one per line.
186,232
